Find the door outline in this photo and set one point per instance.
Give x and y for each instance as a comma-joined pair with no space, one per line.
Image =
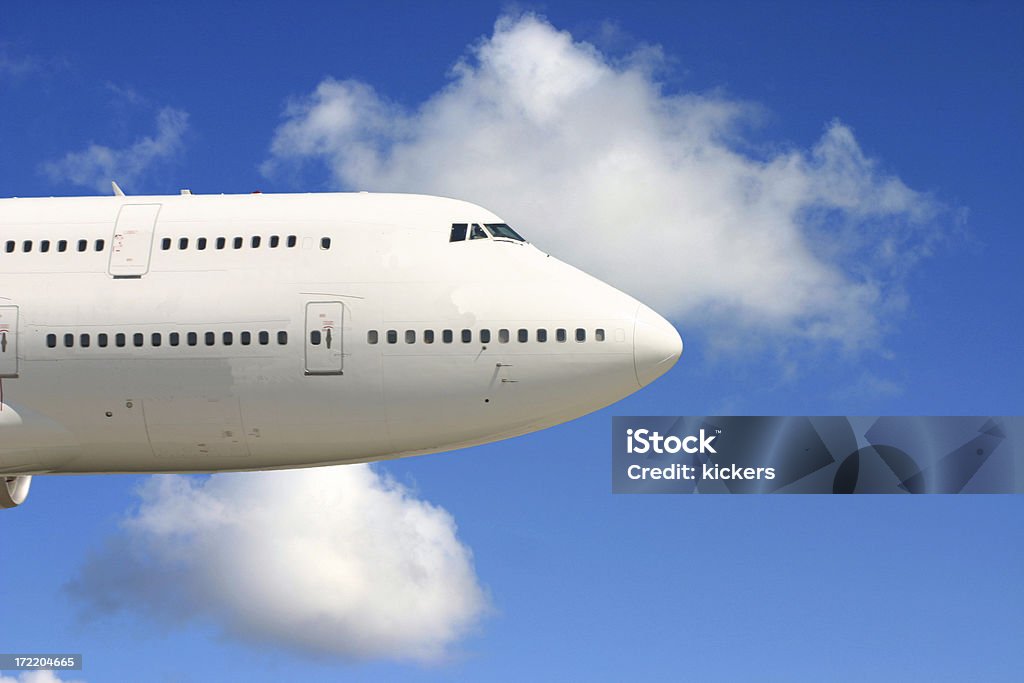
8,342
131,246
327,355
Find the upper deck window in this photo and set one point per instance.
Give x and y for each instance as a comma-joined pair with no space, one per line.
502,231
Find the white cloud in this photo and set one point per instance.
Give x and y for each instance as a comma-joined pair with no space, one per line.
337,561
653,191
17,67
41,676
97,165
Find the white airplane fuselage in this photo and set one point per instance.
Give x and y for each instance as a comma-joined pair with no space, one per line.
209,333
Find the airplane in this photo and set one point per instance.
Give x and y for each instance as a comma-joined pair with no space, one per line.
206,333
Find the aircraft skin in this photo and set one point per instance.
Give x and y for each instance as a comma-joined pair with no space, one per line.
204,333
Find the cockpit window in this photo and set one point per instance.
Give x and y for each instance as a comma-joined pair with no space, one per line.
502,230
483,231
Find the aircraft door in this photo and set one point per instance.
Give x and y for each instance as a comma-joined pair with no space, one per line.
324,337
132,243
8,341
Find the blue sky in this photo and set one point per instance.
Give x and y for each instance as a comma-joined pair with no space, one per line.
583,584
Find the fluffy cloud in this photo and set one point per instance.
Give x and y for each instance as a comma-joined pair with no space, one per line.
338,561
653,191
97,165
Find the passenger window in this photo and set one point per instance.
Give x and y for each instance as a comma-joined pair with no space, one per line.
264,337
428,336
275,241
192,338
581,334
467,336
221,242
458,232
101,340
228,338
245,338
174,339
82,244
599,334
325,242
201,244
165,243
99,245
62,246
392,336
410,336
485,336
314,337
137,339
119,340
69,340
542,335
210,338
372,337
523,336
561,335
44,246
282,337
26,246
156,339
256,241
83,341
477,233
9,246
292,241
237,243
51,341
183,243
447,336
503,336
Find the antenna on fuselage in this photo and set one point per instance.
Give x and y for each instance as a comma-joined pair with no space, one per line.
118,192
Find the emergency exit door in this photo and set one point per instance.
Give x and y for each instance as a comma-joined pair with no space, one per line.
132,243
324,337
8,341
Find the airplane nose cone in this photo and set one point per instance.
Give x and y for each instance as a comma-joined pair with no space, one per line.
656,346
